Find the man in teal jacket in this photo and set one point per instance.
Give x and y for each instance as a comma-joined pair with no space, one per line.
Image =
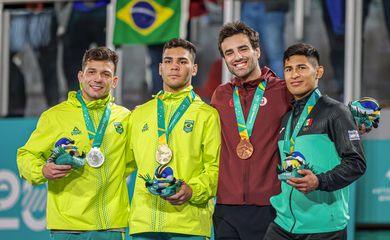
174,143
87,197
321,154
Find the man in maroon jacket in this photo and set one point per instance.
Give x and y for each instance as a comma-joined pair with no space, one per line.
251,108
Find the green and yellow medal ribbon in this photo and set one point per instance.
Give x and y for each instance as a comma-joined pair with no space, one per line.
245,129
95,137
289,139
163,133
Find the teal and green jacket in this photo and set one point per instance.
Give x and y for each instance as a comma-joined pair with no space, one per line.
87,198
195,143
331,145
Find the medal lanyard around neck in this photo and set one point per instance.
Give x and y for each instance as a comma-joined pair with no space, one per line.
95,137
163,133
245,129
289,144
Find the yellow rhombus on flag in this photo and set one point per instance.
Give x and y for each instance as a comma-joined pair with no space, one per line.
150,22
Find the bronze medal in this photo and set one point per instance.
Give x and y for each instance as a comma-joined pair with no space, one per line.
244,149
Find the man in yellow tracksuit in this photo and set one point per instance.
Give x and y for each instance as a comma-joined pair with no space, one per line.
175,131
87,200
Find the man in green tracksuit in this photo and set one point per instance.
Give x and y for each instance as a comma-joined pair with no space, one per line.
174,138
87,197
320,148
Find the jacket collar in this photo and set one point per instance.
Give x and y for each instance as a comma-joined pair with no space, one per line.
266,73
300,104
170,96
96,104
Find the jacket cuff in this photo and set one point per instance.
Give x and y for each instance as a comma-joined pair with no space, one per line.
196,194
321,182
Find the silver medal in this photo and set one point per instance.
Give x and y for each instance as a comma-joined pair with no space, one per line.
163,154
95,157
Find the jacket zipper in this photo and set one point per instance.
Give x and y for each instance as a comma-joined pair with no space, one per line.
292,189
101,210
246,164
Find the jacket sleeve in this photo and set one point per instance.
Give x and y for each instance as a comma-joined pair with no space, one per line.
33,155
131,165
346,138
204,186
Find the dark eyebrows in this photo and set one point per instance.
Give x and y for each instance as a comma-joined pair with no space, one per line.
179,58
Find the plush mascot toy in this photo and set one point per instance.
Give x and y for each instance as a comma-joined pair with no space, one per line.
366,112
164,183
65,152
290,166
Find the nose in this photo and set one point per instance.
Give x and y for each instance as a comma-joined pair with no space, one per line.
175,66
98,78
237,56
295,73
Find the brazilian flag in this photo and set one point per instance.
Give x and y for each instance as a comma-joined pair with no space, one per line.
150,21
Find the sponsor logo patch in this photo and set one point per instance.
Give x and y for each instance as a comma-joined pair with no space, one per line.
75,131
145,128
353,135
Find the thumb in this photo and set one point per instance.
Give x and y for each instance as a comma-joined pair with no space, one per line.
304,172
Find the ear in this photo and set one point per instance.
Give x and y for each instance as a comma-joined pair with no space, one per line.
194,69
80,76
114,82
319,72
258,52
159,69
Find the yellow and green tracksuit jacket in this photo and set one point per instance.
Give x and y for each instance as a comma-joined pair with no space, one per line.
195,143
87,198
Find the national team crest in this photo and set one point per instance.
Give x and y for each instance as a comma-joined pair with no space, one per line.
307,124
118,127
188,126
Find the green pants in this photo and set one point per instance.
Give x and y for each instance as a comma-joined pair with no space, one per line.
165,236
88,235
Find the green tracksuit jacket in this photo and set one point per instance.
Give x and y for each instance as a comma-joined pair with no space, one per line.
331,145
87,198
195,143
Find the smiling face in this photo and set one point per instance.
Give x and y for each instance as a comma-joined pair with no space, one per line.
97,79
240,57
177,69
301,75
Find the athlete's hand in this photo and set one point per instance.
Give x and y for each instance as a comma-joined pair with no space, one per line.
53,171
308,183
362,129
182,196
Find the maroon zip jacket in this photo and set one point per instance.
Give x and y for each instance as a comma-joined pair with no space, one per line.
252,181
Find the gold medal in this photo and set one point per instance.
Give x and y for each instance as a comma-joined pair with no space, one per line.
163,154
95,157
244,149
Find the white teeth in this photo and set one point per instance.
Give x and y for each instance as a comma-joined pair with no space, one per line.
96,87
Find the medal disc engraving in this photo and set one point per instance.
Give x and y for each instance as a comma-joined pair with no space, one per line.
244,149
95,157
163,154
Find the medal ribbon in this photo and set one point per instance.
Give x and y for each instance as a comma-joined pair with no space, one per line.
289,142
245,129
96,137
163,133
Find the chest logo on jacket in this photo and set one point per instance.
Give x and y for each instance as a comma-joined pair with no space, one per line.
231,103
263,101
75,131
118,127
188,126
145,127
